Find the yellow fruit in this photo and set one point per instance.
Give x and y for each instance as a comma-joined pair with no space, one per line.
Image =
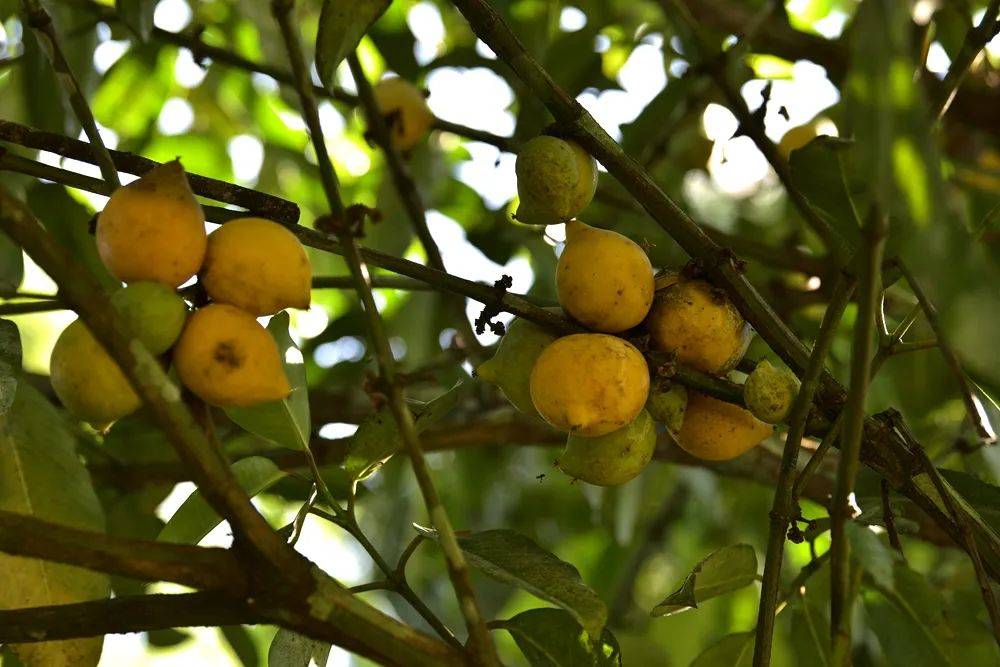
153,229
604,280
769,392
614,458
87,380
228,359
405,110
153,312
589,384
700,325
510,368
714,430
556,179
257,265
800,135
667,407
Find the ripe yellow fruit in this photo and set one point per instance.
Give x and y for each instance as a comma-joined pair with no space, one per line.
589,384
556,179
228,359
700,325
769,392
614,458
510,368
405,110
153,229
87,380
154,313
667,407
257,265
714,430
604,280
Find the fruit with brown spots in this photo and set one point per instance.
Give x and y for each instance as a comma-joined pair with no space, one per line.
589,384
698,323
769,392
228,359
613,458
604,280
667,406
258,266
714,430
153,229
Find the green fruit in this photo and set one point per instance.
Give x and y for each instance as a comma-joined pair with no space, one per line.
614,458
667,407
769,392
153,312
510,368
87,380
556,179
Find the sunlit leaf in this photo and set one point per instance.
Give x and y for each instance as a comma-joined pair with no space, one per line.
342,23
723,571
290,649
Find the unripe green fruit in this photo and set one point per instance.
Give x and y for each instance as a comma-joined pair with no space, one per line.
510,368
153,312
613,458
556,179
769,392
667,407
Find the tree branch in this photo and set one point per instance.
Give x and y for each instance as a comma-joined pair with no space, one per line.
974,42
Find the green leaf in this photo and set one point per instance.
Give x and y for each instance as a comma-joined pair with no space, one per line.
875,556
195,519
553,638
42,476
11,265
242,644
514,559
723,571
735,650
137,439
137,15
289,649
10,363
342,24
820,172
285,422
377,437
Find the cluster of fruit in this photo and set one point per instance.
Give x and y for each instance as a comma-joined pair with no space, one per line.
596,386
151,235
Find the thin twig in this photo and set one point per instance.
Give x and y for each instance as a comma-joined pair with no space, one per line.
875,232
481,643
975,413
781,509
27,307
975,40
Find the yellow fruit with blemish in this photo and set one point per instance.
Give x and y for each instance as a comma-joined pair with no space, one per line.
604,280
87,380
699,324
714,430
613,458
769,392
258,266
404,107
153,229
556,179
589,384
228,359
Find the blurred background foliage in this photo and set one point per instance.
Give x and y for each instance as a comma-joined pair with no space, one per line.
626,61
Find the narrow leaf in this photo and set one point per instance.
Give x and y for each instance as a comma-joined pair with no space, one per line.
138,16
289,649
553,638
10,363
195,519
342,24
723,571
41,476
242,644
875,556
514,559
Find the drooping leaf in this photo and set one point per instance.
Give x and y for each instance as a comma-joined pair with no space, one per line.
137,15
514,559
285,422
553,638
908,635
874,555
11,265
290,649
41,476
167,637
735,650
377,437
240,642
137,439
820,172
723,571
195,518
342,24
10,363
